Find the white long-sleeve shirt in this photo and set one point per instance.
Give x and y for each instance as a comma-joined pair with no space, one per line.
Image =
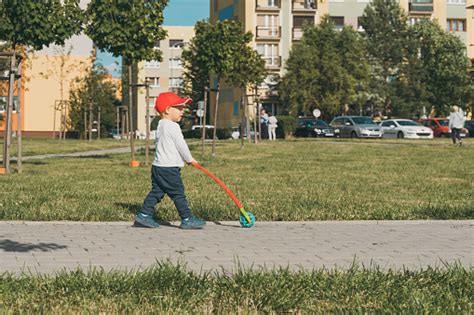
171,150
456,120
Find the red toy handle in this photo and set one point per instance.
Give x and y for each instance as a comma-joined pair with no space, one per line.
217,180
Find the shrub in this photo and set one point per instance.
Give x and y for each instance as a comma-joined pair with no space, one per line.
286,126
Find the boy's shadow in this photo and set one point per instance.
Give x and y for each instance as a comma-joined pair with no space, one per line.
134,208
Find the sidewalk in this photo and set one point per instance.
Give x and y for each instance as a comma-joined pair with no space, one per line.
46,247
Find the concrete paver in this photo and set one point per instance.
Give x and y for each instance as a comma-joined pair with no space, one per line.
47,247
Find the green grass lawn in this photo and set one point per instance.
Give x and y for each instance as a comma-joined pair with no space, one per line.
166,288
309,179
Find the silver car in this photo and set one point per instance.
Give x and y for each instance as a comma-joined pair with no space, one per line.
356,127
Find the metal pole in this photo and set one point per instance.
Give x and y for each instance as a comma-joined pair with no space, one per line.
117,120
147,137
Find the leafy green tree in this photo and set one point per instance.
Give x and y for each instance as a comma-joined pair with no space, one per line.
386,31
249,72
326,70
219,59
444,66
130,29
94,93
34,24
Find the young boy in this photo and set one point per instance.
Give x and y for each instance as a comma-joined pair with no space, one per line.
170,155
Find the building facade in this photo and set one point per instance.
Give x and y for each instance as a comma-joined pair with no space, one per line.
46,81
163,76
277,24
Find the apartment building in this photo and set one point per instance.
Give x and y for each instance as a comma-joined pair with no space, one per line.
44,90
277,24
163,76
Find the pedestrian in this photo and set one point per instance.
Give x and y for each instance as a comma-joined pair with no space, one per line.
272,126
456,123
264,123
171,152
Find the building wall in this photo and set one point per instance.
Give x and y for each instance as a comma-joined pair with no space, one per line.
161,70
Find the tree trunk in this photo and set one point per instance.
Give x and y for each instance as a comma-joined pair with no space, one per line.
130,114
19,165
242,121
256,121
9,112
203,136
147,122
215,117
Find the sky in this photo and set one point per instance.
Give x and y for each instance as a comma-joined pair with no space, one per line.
177,13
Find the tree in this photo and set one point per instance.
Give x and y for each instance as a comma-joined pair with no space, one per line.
130,29
220,58
249,72
386,31
443,65
90,95
34,24
326,70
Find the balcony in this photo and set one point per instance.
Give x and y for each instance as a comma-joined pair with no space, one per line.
309,6
297,33
421,6
272,62
268,5
268,32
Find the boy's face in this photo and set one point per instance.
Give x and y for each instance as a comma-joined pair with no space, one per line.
174,113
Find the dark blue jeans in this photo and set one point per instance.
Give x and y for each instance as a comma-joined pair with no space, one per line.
166,180
456,134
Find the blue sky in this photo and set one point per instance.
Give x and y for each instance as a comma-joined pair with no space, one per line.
178,12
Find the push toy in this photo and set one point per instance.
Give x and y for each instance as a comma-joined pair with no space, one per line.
247,219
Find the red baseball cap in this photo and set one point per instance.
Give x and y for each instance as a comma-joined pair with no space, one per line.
167,99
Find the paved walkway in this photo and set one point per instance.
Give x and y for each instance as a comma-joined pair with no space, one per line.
46,247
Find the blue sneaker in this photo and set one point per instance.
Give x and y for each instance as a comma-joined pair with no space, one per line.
192,223
145,220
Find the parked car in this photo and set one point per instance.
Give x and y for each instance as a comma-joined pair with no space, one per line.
236,133
405,128
469,125
312,127
440,127
356,126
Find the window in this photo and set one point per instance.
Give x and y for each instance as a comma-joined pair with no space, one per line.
456,25
268,25
153,64
269,53
339,21
456,1
157,44
299,21
176,82
176,43
176,63
154,82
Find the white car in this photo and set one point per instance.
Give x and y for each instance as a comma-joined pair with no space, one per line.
405,128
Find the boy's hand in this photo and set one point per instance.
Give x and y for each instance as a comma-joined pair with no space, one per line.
193,162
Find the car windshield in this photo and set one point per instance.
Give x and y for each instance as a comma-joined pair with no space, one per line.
407,123
363,120
443,122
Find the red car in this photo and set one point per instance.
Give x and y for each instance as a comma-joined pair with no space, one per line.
440,127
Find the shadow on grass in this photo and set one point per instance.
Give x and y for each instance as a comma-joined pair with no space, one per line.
440,213
13,246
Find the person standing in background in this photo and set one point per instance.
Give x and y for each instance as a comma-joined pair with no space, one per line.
272,126
456,123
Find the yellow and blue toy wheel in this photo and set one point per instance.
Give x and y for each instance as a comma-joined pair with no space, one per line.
245,223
